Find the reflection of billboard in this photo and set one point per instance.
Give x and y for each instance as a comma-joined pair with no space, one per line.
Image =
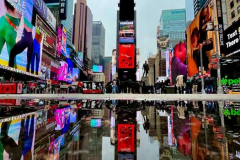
69,71
55,66
41,148
73,115
60,118
126,138
41,121
163,42
17,137
51,147
126,32
46,67
67,111
198,37
76,136
62,75
64,41
95,123
80,56
126,56
59,41
21,43
93,87
75,74
49,37
57,146
97,69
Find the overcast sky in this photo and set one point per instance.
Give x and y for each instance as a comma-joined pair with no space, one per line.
148,16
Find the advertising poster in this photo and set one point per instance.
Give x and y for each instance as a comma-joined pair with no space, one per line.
198,37
51,147
22,50
93,87
97,68
67,52
46,67
51,119
57,148
41,148
73,115
76,74
126,138
69,71
126,56
64,41
126,32
55,66
62,75
60,118
76,136
41,121
67,112
59,41
8,88
49,37
17,137
163,42
178,66
95,123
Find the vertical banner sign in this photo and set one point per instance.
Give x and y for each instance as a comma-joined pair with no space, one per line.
63,10
220,24
59,42
126,138
64,41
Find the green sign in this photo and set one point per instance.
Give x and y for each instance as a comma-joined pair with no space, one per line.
232,112
229,82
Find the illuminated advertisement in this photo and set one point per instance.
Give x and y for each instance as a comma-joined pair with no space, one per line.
76,73
126,57
17,137
73,115
69,71
93,87
95,123
49,37
55,66
178,66
22,51
59,41
97,69
163,42
126,138
67,112
198,37
64,41
68,51
126,32
57,146
8,88
60,118
76,136
62,75
45,67
41,148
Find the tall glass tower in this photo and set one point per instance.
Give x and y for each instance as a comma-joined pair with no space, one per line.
189,11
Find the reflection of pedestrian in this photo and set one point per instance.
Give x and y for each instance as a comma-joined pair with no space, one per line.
146,124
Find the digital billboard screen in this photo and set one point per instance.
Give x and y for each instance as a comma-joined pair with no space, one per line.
199,37
126,56
64,41
97,69
126,32
126,138
62,75
69,71
95,123
60,118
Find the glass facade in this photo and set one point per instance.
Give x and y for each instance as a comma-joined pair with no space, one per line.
198,5
89,22
189,11
98,43
172,23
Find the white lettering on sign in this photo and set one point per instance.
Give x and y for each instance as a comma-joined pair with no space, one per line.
232,35
230,44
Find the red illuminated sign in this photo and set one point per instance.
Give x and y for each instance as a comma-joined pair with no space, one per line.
8,88
126,138
126,56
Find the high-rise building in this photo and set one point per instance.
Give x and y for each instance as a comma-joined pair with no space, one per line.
189,11
98,43
198,5
233,11
107,69
99,77
79,26
172,23
88,40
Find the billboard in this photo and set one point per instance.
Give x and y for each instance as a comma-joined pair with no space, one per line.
95,123
114,62
178,60
49,37
55,66
62,75
75,74
45,67
21,43
126,138
126,32
59,41
126,57
64,41
18,137
232,39
163,42
198,37
97,68
69,71
41,121
57,145
67,112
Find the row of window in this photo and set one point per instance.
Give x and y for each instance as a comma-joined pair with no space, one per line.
233,15
232,3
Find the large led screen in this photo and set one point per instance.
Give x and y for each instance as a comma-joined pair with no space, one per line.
126,56
17,137
97,68
95,123
126,138
199,37
126,32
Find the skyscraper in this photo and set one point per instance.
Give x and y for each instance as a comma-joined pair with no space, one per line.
88,40
98,43
172,23
107,69
189,11
198,5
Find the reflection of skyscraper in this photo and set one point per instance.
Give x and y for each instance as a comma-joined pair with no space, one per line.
98,113
95,143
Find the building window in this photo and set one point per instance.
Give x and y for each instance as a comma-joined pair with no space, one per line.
232,4
238,9
233,14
